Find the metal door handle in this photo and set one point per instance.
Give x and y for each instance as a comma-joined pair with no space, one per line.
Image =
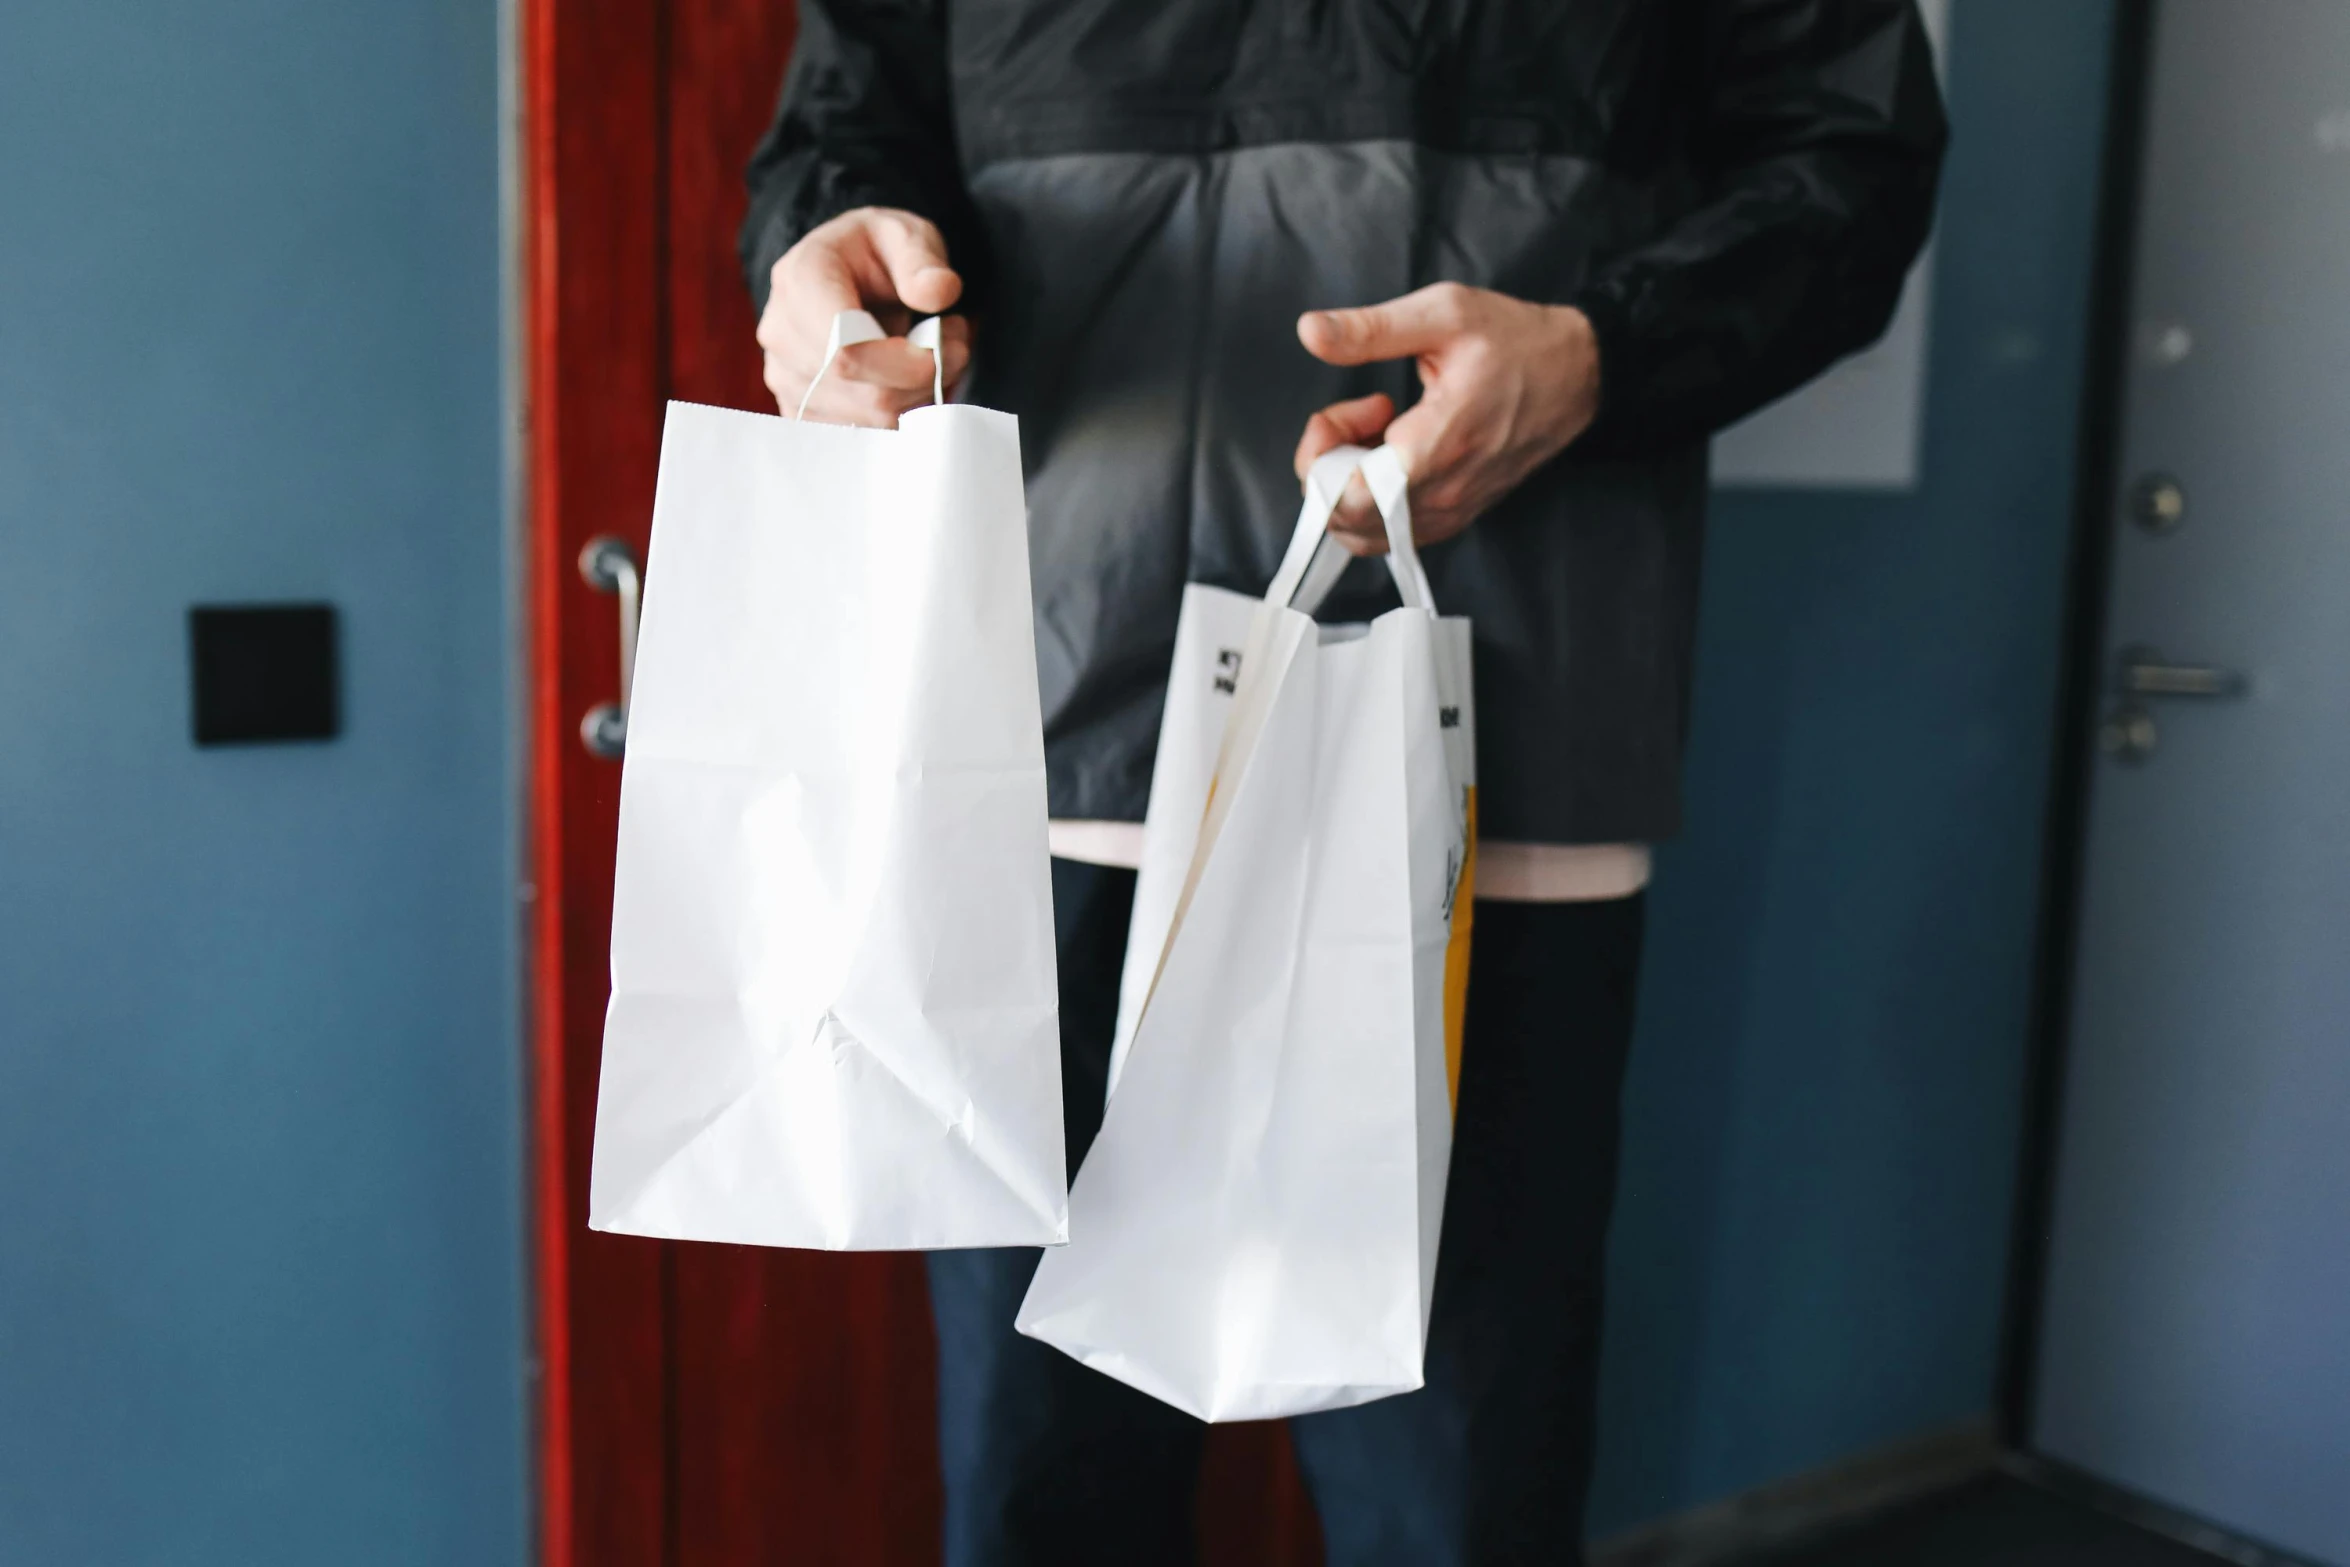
2129,733
608,565
2142,672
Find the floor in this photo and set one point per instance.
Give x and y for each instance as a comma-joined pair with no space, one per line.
1993,1520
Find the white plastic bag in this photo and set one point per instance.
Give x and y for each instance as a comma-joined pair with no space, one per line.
834,1020
1255,1228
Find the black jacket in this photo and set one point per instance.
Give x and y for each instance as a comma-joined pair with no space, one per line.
1143,195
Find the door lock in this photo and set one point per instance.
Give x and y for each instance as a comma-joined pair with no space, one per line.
2158,503
2141,671
608,565
2129,733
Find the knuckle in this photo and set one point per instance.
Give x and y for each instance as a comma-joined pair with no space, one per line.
834,231
907,228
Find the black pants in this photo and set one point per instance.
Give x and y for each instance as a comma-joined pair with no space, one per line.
1049,1463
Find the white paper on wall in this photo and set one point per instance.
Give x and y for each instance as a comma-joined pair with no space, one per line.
1859,425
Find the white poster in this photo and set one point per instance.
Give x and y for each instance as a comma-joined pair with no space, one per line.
1858,426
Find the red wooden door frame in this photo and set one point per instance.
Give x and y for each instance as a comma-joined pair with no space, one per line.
591,266
696,1404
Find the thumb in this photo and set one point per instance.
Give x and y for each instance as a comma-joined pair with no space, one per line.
916,256
1413,323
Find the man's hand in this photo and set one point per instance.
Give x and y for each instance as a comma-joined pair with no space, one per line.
1505,386
891,263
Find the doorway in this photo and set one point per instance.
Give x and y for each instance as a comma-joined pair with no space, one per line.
698,1404
2190,1345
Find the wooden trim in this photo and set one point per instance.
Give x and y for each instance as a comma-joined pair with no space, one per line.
592,313
1787,1511
550,1253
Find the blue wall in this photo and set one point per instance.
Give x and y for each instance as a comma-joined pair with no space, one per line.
1824,1110
261,1271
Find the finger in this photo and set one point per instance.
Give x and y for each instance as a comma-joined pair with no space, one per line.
1420,439
807,290
1417,439
1356,422
954,336
889,263
1355,519
870,383
850,402
898,365
915,254
840,402
889,362
1415,323
809,285
893,363
1439,468
833,398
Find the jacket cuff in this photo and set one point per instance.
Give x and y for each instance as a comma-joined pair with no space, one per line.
1615,424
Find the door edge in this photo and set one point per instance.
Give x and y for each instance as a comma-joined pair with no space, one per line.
2073,753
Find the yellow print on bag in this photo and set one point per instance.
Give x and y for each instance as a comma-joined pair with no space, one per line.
1463,897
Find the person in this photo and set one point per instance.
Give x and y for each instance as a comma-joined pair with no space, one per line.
1543,249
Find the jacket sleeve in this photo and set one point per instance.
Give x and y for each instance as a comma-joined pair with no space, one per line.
865,120
1818,138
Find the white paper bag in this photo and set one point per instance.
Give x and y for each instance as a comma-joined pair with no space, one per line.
1254,1230
834,1020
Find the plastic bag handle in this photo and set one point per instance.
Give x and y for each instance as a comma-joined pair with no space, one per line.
858,326
1310,567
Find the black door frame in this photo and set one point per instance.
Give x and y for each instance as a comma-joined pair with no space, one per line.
2096,487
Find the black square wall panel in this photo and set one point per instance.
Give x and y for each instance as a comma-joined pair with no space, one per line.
263,672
